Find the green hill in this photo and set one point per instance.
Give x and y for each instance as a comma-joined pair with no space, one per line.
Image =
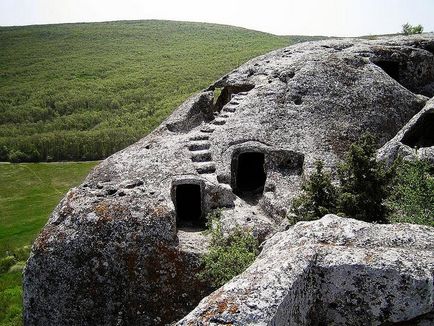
85,91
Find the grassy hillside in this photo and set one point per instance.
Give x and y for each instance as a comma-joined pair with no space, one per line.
84,91
28,193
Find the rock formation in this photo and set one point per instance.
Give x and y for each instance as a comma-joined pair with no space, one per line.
123,248
333,271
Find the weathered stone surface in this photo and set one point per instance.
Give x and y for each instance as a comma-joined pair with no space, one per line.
111,252
414,140
333,271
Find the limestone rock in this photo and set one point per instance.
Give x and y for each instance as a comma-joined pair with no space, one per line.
111,253
333,271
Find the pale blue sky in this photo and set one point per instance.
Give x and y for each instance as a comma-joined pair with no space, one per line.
307,17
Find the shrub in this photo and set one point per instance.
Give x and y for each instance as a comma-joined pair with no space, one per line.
408,29
229,255
412,198
17,156
9,258
364,183
6,263
318,197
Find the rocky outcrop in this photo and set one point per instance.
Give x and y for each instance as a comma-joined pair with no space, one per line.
414,140
117,250
333,271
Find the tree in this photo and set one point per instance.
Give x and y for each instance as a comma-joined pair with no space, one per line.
318,197
17,156
408,29
365,183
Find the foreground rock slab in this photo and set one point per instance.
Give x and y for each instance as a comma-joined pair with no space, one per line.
333,271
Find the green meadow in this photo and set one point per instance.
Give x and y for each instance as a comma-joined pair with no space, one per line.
28,194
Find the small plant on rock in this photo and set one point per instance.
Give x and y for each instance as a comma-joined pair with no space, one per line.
228,255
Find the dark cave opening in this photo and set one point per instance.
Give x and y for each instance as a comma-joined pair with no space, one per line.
421,134
189,206
227,93
249,173
391,68
414,73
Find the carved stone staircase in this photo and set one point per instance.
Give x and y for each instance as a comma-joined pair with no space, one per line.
199,144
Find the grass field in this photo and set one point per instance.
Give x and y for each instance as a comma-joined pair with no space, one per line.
28,194
83,91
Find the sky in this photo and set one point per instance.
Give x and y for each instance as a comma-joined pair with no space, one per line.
281,17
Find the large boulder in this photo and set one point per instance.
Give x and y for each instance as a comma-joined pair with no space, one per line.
333,271
123,248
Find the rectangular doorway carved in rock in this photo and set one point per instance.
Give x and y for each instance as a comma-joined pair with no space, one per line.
248,173
189,206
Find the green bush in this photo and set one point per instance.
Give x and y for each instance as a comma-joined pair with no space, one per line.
412,198
6,263
408,29
364,183
229,255
16,156
318,198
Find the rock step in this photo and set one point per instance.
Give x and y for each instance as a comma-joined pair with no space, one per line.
201,156
219,122
234,102
224,116
229,109
199,145
242,93
207,129
205,167
199,137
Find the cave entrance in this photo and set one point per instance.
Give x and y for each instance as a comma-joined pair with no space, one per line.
421,134
189,206
248,171
391,68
